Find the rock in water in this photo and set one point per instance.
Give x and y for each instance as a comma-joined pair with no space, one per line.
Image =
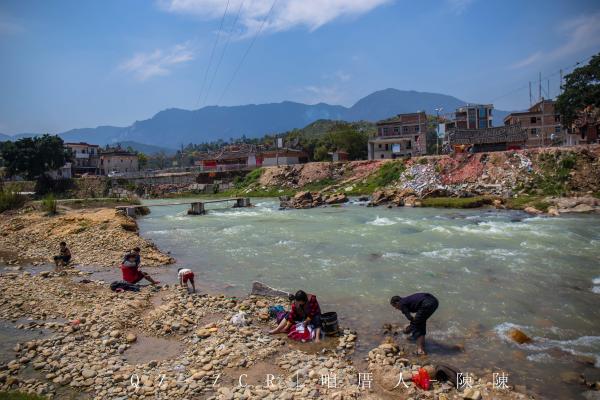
260,289
131,338
518,336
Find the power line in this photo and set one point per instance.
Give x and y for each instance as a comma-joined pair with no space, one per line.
560,71
212,54
224,50
247,51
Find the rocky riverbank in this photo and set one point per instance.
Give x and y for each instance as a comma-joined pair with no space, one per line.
91,334
96,237
552,180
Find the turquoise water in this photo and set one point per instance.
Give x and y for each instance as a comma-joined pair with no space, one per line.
491,270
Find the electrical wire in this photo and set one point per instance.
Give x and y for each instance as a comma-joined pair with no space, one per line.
247,51
224,50
212,54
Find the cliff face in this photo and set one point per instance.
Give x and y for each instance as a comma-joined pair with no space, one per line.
535,173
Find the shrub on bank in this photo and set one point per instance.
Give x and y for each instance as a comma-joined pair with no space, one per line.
456,202
49,204
11,200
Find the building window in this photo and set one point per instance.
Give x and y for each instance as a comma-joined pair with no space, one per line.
385,131
396,129
405,129
557,118
387,147
381,155
379,145
533,131
417,128
557,129
533,120
409,145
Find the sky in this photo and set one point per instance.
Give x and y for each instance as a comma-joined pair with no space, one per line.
72,64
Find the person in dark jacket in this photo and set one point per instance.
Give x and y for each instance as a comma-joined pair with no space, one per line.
422,305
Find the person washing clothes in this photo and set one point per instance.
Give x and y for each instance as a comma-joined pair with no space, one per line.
304,309
422,305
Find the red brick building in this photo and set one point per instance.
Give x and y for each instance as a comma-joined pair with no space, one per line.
401,136
542,124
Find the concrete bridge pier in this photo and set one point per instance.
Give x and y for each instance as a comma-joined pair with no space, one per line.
197,208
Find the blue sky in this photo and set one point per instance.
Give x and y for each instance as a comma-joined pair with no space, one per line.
72,64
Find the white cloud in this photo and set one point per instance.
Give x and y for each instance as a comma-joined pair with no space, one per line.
333,91
158,62
286,14
527,61
9,26
459,6
580,34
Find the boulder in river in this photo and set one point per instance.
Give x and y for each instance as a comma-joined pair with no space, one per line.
518,336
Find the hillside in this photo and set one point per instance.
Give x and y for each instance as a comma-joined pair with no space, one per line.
174,127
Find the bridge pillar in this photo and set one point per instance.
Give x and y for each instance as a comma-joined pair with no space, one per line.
197,208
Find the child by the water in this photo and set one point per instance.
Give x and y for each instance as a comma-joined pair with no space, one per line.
185,275
64,255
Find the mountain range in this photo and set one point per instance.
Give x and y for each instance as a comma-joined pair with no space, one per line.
173,127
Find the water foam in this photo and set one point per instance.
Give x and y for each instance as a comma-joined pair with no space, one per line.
381,221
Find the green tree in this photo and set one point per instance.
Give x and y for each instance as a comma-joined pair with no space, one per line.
32,157
581,89
142,160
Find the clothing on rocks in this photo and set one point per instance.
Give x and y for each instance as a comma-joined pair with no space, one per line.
301,333
124,286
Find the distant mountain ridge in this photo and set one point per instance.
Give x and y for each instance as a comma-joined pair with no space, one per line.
173,127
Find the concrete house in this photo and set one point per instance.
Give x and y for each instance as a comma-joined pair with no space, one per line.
401,136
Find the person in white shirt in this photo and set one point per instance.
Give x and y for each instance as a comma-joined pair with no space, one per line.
184,276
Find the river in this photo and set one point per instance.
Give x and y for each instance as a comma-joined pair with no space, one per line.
491,270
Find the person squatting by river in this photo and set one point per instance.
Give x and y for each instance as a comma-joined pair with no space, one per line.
423,305
304,309
130,268
64,256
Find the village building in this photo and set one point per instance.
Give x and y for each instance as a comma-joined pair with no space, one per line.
586,128
86,158
340,155
247,156
471,116
64,172
500,138
118,161
542,124
401,136
285,156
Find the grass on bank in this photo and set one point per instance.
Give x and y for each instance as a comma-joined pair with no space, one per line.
388,173
49,205
524,201
11,200
456,202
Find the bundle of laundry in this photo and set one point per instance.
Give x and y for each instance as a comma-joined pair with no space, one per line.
301,333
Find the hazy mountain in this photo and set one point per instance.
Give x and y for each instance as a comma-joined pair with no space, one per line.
146,148
172,127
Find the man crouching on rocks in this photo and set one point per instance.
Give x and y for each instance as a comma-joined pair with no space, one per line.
64,256
423,305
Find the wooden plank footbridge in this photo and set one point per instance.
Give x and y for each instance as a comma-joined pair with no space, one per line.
196,207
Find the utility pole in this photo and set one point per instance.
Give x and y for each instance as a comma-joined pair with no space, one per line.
540,87
560,87
548,93
437,136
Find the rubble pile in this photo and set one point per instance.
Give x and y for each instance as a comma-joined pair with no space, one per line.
95,237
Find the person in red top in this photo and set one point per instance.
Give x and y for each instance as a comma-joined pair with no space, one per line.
305,308
131,272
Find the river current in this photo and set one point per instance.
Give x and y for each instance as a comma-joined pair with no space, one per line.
491,270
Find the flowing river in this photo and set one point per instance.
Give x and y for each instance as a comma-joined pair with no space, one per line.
491,270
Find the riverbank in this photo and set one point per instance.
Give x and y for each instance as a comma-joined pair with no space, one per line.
95,236
104,345
542,180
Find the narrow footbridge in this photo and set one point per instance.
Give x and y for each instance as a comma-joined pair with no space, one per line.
196,207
